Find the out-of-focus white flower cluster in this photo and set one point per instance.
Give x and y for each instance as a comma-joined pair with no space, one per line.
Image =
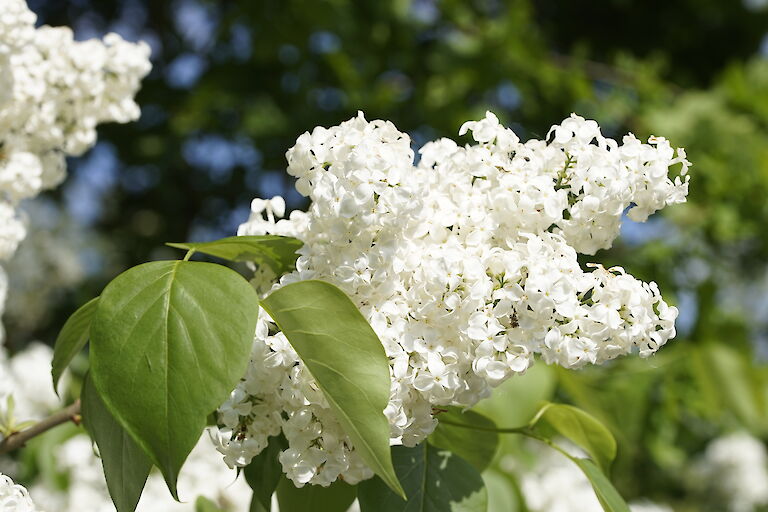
53,92
26,376
203,475
465,264
733,471
14,498
555,484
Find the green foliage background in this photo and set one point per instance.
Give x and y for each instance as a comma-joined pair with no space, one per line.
268,70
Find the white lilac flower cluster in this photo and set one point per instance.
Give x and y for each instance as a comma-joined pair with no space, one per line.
733,471
14,497
464,263
53,92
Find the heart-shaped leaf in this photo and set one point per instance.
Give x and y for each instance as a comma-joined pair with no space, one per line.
169,341
346,359
72,339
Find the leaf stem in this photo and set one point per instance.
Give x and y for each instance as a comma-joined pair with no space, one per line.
18,439
526,430
189,254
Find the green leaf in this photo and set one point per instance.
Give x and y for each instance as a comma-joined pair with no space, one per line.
256,506
126,466
581,428
264,472
169,341
503,492
435,481
606,493
477,447
347,361
730,380
72,339
278,252
203,504
337,497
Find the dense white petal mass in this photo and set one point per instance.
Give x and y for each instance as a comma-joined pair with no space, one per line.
14,497
54,91
464,263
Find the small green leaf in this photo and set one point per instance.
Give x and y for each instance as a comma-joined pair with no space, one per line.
347,361
72,339
477,447
264,471
169,341
337,497
581,428
435,481
126,466
609,497
278,252
203,504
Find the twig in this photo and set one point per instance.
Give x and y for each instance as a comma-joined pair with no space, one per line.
18,439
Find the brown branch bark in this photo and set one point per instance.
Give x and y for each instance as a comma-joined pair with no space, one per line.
18,439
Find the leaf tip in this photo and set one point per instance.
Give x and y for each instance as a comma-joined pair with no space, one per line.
56,387
398,489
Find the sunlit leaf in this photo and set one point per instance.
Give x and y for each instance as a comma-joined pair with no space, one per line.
581,428
169,341
347,360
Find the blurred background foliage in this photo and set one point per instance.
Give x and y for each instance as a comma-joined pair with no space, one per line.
235,82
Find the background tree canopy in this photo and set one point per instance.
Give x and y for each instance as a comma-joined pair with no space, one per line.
234,83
